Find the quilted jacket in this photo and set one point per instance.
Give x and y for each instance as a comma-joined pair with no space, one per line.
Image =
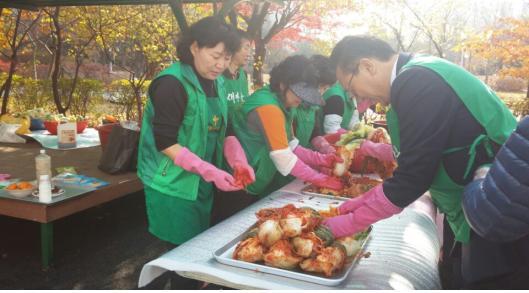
497,207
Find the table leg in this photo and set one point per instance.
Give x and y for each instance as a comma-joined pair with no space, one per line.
46,243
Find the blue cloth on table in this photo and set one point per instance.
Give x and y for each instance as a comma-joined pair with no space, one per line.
88,138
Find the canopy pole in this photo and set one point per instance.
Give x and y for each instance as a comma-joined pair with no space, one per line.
178,11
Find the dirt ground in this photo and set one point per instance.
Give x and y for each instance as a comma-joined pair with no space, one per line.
101,248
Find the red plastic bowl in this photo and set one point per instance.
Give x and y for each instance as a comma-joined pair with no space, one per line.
51,126
81,125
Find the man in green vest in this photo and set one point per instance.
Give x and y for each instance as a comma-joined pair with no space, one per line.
444,123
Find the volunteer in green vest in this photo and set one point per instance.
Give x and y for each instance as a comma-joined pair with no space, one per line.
444,124
339,113
236,85
182,143
267,137
307,118
236,80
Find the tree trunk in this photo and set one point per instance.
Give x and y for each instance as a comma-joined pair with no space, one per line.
78,64
527,93
137,94
259,59
7,85
178,10
233,18
57,64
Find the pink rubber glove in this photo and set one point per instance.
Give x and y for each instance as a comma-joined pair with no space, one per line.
360,212
380,151
192,163
305,173
236,158
315,159
322,145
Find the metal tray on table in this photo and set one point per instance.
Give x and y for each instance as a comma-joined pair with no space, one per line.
307,189
224,255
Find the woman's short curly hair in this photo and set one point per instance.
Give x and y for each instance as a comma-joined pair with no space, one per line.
326,72
292,70
207,32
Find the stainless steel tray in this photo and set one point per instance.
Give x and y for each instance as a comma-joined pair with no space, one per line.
224,256
306,189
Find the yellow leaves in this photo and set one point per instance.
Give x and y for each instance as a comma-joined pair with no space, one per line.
507,42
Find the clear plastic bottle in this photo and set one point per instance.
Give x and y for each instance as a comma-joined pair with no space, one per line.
44,189
42,165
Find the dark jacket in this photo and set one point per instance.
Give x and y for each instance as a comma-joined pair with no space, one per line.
497,207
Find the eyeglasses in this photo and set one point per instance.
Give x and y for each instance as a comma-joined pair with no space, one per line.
349,89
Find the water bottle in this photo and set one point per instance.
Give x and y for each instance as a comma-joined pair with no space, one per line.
42,165
44,189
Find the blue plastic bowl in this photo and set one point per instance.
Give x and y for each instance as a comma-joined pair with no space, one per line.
37,124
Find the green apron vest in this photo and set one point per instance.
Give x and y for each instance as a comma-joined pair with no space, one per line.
255,145
193,215
236,93
304,118
156,169
349,110
486,108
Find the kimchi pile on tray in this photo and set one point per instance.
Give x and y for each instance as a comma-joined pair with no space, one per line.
354,162
291,238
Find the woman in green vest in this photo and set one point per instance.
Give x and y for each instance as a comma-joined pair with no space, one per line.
182,142
444,123
236,81
307,118
340,112
267,136
236,85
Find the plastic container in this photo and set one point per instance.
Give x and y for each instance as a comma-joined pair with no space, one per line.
51,126
44,189
67,135
37,124
104,132
42,165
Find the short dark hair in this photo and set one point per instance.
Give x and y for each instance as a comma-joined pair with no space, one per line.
240,35
351,49
244,34
207,32
326,72
292,70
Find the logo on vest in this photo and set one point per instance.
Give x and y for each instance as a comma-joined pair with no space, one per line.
214,125
235,98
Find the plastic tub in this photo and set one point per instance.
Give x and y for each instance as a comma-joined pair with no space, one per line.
104,131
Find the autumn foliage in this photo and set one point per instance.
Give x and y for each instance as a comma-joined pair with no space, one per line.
507,42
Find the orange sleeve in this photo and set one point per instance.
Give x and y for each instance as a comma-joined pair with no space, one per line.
273,122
